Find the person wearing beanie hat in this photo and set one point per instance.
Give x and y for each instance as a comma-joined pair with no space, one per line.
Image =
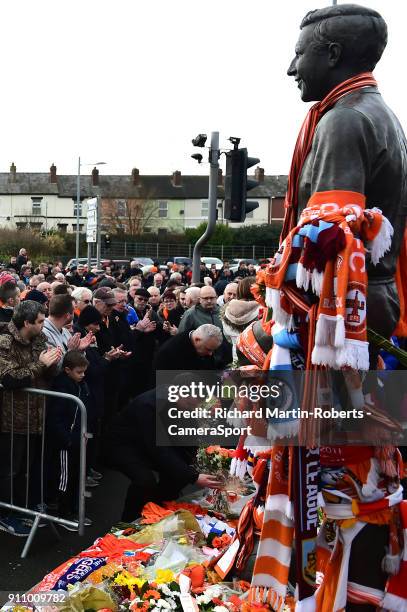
88,316
100,369
36,296
236,316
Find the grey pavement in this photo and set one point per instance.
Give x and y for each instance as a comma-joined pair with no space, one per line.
47,552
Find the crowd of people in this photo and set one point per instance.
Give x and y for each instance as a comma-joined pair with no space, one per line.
102,335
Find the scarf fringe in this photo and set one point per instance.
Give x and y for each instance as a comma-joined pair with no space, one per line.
382,243
278,431
279,314
394,603
317,280
267,595
324,355
354,354
303,277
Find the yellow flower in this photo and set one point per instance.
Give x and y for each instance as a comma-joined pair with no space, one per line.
126,579
164,576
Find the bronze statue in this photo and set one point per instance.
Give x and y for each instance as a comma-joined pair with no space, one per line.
359,144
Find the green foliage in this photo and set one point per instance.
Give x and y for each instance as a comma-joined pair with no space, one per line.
223,234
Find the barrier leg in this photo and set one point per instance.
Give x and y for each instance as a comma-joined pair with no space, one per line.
30,537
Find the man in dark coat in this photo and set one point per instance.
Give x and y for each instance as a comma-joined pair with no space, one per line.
157,473
190,350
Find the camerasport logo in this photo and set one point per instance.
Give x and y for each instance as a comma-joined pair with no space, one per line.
356,307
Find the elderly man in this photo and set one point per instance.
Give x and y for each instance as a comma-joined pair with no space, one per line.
190,350
46,289
192,296
158,282
82,297
229,293
207,311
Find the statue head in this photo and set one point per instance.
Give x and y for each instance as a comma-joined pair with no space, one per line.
336,43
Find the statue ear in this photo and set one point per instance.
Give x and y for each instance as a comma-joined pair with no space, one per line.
334,54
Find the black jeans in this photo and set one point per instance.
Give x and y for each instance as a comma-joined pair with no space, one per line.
145,486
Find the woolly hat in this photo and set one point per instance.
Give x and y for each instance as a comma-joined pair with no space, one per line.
89,315
5,277
240,312
36,296
142,292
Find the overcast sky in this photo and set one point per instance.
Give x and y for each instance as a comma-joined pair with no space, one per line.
131,82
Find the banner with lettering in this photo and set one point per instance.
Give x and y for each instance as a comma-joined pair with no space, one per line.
305,496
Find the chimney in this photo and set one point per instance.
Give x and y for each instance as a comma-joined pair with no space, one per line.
13,172
220,177
53,174
176,178
135,175
95,177
259,174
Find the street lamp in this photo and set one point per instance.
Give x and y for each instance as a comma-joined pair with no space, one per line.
78,200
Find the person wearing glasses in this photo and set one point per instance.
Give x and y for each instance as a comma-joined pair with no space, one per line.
82,298
207,311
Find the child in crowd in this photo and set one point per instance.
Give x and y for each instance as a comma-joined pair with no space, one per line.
64,426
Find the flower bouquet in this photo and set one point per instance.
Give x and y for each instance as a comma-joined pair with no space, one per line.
216,460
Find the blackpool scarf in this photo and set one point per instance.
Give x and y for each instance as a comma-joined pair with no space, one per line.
337,275
306,136
270,574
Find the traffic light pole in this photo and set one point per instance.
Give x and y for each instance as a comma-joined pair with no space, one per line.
212,203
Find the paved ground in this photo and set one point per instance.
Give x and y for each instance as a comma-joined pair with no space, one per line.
47,552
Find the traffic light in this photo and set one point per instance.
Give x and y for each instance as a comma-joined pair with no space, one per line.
237,184
106,239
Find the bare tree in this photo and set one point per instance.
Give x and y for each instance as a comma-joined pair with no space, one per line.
130,216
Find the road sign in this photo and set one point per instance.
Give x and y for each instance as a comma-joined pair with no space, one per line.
92,220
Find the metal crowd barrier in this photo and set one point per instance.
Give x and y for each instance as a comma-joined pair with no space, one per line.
37,514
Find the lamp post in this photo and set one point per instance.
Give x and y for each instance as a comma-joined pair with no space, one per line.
78,201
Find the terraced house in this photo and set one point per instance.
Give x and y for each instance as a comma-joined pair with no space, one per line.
130,204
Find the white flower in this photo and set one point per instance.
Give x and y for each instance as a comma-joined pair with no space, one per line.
161,603
203,599
220,609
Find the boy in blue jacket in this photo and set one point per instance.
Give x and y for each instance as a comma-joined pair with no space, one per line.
63,425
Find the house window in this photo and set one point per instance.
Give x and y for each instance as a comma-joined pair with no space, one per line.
36,227
80,227
147,230
121,208
204,209
36,206
163,209
62,227
74,208
21,225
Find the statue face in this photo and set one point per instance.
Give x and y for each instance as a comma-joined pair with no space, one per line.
309,68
